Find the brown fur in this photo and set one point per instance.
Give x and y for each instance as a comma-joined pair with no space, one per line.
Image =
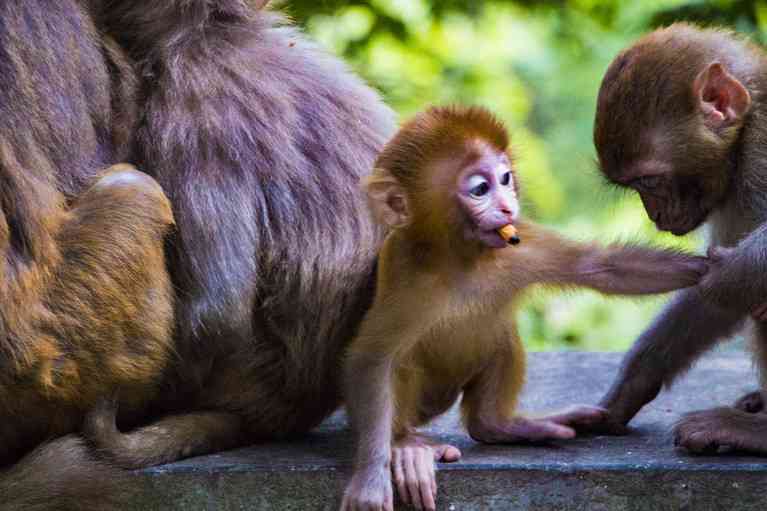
697,131
442,320
62,475
85,300
260,140
87,312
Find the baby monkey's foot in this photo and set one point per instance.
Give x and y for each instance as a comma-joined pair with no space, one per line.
559,426
413,469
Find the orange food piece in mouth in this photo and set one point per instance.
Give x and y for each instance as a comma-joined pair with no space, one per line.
509,234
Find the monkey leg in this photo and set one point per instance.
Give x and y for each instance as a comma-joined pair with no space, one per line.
169,439
705,432
414,471
489,402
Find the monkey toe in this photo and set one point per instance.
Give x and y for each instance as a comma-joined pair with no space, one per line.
715,430
696,443
447,453
753,402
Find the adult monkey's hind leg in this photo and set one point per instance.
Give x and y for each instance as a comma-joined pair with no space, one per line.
163,441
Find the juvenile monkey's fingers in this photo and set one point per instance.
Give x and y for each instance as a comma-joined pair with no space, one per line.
389,498
552,430
697,266
536,430
411,477
427,481
446,453
579,415
398,472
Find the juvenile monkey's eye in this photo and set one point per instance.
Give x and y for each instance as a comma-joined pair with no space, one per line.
506,178
480,190
478,186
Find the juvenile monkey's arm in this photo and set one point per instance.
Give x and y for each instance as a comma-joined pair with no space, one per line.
546,257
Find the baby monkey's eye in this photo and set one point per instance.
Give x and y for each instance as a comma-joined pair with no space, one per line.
480,190
506,178
478,186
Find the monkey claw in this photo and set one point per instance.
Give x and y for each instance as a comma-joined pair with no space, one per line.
641,471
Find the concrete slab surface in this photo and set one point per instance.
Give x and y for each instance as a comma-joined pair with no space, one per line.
638,472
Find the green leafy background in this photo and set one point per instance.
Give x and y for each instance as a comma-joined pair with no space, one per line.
538,65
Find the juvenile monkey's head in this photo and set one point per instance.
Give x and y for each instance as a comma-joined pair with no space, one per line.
669,113
447,172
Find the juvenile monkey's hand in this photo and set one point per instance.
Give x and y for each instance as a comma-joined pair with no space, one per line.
599,424
414,472
369,490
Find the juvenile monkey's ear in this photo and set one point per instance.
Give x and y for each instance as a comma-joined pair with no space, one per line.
387,198
722,99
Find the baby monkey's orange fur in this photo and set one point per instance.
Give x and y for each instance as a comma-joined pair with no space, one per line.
442,321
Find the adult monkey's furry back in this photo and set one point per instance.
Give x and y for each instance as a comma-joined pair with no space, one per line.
259,138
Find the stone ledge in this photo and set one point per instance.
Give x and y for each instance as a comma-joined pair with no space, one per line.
638,472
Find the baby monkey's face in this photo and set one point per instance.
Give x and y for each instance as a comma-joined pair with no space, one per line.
487,193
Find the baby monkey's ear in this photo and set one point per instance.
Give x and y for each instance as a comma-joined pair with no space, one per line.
387,198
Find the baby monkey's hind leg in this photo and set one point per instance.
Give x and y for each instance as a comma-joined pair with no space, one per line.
490,400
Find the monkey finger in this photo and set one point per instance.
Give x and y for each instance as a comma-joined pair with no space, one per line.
579,415
398,472
389,499
551,430
411,476
718,254
426,478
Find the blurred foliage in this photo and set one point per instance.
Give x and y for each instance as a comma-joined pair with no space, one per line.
538,65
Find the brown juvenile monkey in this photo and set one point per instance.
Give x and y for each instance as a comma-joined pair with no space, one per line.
442,320
682,120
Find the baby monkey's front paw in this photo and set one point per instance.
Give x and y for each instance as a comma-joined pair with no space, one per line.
414,472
